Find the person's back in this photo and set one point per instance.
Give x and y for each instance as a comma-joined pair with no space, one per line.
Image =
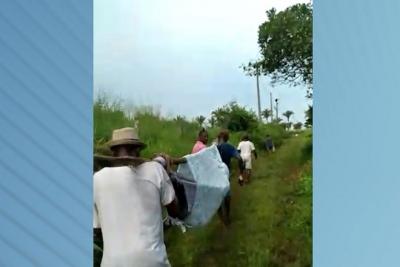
198,146
269,145
227,151
246,148
128,208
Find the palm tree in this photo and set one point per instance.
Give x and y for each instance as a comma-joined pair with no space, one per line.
200,120
212,121
266,113
287,114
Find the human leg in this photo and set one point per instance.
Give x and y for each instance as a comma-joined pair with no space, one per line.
227,204
224,209
248,169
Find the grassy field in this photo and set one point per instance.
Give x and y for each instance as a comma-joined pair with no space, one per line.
271,217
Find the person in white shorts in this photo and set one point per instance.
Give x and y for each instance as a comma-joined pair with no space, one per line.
128,203
246,149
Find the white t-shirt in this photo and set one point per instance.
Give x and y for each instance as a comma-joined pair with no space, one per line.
128,209
246,147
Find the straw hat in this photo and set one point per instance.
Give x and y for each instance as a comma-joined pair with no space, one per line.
126,136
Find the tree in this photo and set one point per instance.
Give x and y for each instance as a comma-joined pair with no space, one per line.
234,117
212,121
297,125
266,113
309,117
200,120
287,114
287,125
285,42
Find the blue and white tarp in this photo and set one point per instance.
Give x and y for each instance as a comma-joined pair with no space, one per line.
211,176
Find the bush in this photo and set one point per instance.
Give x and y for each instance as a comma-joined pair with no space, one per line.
307,149
234,117
275,130
174,136
107,115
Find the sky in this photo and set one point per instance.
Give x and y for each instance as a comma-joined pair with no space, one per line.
183,57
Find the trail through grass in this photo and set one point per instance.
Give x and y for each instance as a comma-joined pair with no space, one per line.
271,219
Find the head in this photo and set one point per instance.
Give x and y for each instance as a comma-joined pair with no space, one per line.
223,136
245,137
126,142
126,150
203,136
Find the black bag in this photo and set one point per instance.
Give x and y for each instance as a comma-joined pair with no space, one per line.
185,191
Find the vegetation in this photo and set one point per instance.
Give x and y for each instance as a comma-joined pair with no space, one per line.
266,113
176,136
309,117
285,41
288,114
234,117
200,120
297,125
271,218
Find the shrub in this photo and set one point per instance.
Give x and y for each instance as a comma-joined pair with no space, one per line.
307,149
275,130
234,117
175,136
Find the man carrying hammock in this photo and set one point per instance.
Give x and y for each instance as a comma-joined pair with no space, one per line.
128,201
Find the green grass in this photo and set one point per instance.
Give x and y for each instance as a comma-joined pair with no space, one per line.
271,217
168,135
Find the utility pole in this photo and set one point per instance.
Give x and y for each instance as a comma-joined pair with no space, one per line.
276,106
271,107
258,96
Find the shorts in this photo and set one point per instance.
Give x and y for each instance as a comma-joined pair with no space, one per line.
247,162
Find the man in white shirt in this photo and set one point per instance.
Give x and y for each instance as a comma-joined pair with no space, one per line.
128,204
246,149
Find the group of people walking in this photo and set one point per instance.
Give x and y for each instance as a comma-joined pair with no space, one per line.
129,198
243,153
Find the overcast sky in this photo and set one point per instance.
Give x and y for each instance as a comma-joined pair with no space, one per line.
184,56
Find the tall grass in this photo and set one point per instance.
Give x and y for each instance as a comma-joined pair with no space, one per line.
271,217
174,136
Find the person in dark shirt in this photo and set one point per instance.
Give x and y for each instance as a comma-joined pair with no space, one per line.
227,152
269,145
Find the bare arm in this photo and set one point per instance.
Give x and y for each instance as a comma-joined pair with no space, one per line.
240,163
255,154
178,160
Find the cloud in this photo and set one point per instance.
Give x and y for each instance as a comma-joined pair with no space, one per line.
183,56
